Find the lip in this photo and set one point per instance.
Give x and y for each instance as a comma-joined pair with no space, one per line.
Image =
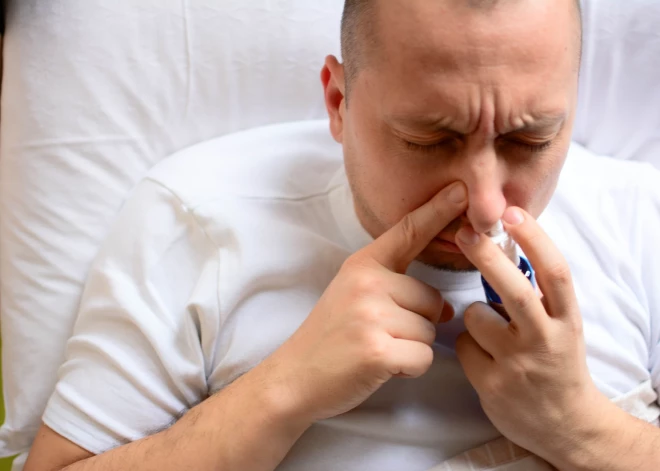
446,246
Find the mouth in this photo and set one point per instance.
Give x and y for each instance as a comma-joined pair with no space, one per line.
446,246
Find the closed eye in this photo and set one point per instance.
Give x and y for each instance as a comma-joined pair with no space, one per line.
427,147
537,147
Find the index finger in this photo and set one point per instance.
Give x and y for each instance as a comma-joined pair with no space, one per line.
517,293
401,244
553,273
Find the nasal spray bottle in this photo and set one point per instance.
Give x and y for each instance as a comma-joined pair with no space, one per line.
503,240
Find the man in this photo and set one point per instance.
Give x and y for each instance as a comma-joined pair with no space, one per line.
292,310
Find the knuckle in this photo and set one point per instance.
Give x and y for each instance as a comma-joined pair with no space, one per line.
489,257
541,336
560,273
518,368
547,334
375,351
440,211
409,230
425,360
422,363
575,325
524,299
369,314
366,283
429,333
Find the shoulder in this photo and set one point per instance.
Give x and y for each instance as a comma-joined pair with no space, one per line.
191,197
605,214
608,194
291,160
586,172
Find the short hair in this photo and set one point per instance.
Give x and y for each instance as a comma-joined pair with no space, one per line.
357,34
356,28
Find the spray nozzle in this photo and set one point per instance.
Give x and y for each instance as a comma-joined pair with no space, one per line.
503,240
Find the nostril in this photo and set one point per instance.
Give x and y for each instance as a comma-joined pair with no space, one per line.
482,223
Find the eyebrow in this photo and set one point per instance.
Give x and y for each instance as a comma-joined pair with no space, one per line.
441,125
541,123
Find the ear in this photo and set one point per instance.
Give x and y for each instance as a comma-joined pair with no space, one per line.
334,88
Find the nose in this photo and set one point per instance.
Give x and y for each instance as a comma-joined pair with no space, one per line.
484,177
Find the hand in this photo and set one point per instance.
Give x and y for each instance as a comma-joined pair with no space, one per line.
531,374
372,323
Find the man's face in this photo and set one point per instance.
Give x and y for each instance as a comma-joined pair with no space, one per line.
455,94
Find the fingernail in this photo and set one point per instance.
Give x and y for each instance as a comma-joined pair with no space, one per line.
468,237
457,194
513,217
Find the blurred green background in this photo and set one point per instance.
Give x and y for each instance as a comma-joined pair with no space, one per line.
5,465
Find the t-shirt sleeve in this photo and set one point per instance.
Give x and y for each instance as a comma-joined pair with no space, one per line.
135,361
648,230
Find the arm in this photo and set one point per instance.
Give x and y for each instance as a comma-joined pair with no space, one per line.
135,358
616,440
135,362
245,426
619,441
612,441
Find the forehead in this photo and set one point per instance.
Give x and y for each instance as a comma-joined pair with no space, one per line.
520,55
457,33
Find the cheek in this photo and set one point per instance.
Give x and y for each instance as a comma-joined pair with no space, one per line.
390,189
384,175
531,186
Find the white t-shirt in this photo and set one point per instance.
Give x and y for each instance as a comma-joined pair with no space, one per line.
221,253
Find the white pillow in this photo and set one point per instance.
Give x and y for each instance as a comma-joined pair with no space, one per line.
94,94
619,104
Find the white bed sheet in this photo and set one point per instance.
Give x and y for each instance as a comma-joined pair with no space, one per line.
619,105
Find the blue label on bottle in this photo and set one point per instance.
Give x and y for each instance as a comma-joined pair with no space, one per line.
525,268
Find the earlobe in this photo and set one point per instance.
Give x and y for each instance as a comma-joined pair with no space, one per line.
332,77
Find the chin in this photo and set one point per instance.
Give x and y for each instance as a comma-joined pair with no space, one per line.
444,260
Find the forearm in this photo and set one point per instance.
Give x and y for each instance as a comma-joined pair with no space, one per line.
615,441
243,427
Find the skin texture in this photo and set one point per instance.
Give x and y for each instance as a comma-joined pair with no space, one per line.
476,77
460,96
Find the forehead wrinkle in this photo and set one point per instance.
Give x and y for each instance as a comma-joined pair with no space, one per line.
443,124
539,123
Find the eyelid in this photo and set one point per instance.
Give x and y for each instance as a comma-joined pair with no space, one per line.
426,147
532,147
424,140
531,138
